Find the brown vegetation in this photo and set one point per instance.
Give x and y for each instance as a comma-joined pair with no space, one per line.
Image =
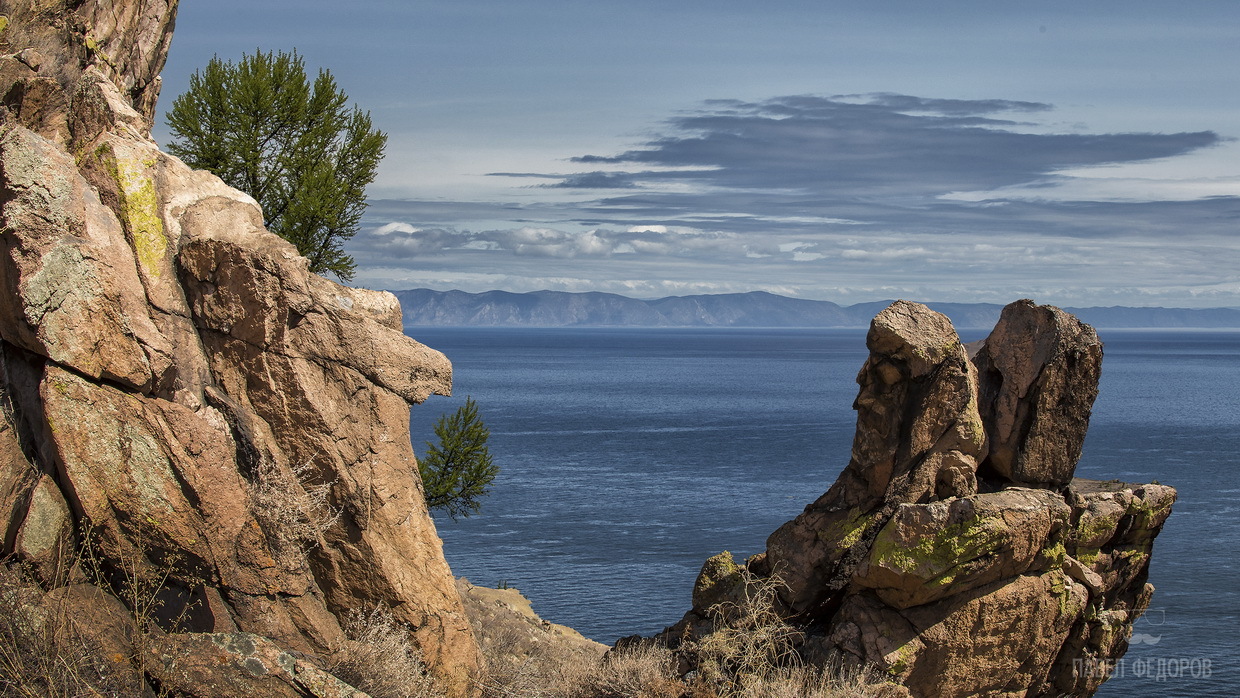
749,652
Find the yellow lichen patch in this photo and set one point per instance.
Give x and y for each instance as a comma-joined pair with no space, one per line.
1062,589
139,207
1053,555
1149,513
1087,556
4,24
846,533
938,558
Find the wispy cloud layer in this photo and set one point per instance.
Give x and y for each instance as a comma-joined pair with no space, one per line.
838,197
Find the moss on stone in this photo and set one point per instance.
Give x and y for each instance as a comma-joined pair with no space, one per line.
1053,555
904,656
846,533
1062,590
1087,556
1145,513
1094,527
139,207
937,558
1134,555
719,578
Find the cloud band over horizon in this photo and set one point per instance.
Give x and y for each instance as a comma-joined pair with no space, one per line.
841,198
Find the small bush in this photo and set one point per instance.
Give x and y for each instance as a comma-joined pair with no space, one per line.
378,657
749,641
294,515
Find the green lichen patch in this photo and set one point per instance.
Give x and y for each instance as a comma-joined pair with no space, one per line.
1149,512
1088,556
1052,556
1095,530
938,558
4,24
1062,589
847,532
900,660
139,207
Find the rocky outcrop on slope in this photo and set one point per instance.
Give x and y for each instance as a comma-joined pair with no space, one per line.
186,407
956,551
511,632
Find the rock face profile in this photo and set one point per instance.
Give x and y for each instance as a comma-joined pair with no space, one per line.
956,552
186,409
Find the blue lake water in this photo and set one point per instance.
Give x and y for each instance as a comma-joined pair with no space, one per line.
629,456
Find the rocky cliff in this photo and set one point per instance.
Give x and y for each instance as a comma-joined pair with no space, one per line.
187,412
956,551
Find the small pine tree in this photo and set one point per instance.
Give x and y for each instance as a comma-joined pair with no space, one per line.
458,471
294,145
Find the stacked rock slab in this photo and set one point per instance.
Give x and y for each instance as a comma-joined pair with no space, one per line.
956,552
174,379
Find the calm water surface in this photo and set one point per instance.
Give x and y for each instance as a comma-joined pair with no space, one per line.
629,456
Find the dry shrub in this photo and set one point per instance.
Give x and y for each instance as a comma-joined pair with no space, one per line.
378,657
750,639
645,671
551,670
555,670
84,630
294,515
752,652
812,682
45,654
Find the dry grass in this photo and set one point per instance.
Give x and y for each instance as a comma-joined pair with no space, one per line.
558,672
751,652
811,682
84,631
378,658
45,652
294,515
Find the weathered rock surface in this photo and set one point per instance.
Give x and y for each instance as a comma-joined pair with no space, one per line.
1039,373
956,551
505,619
224,422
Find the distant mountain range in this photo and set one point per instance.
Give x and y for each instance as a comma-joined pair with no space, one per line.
424,307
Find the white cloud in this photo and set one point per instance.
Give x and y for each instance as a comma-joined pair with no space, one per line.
396,227
1105,188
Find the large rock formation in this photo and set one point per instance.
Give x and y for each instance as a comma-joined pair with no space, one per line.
185,405
956,551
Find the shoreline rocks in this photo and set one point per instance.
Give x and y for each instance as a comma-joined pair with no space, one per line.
956,552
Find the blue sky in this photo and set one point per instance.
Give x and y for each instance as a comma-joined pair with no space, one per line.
1079,153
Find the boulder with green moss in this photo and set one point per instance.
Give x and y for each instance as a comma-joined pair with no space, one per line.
956,552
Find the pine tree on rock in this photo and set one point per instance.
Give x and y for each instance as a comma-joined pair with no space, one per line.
458,470
296,147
